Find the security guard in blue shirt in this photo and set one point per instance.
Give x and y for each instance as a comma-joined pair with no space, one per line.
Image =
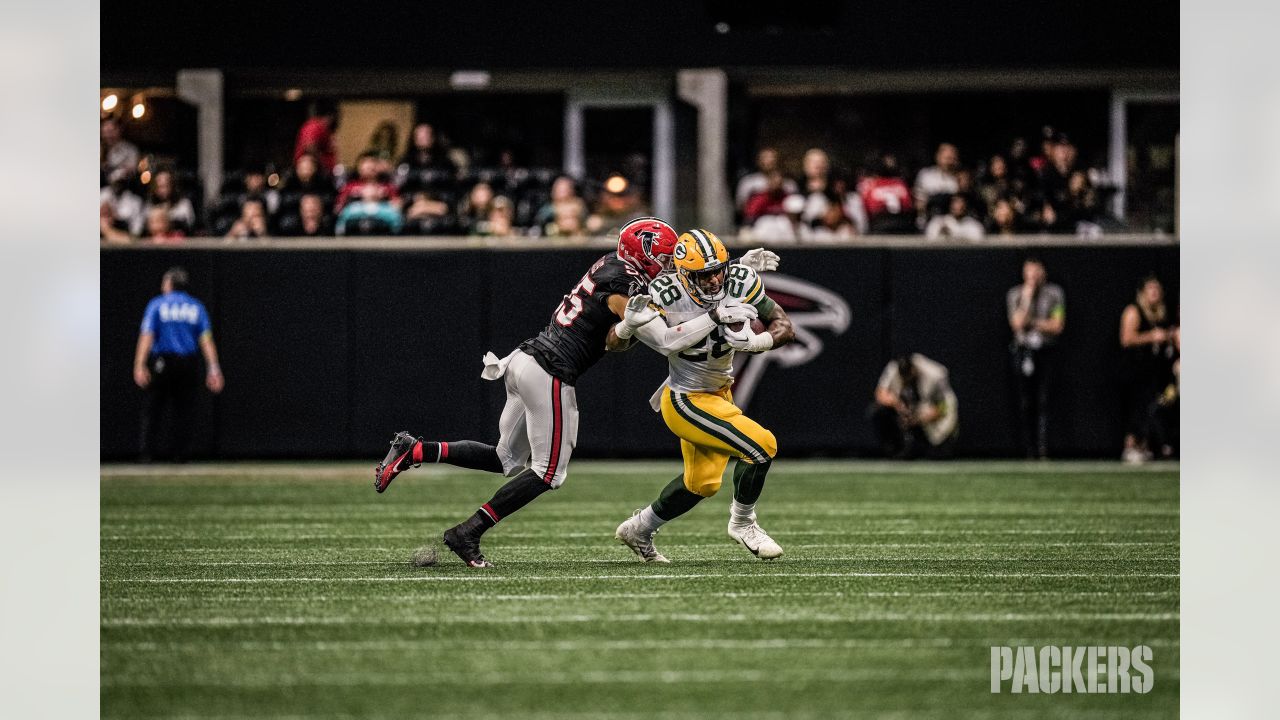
175,332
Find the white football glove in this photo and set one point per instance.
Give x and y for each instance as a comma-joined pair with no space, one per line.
760,260
733,310
639,312
747,340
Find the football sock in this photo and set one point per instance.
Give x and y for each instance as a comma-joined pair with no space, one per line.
748,481
463,453
515,494
675,500
649,519
740,514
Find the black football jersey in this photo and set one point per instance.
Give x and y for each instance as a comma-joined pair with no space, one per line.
574,339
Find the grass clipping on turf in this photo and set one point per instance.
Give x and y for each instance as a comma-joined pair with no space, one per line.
426,556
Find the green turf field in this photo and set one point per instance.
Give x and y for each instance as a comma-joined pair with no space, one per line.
286,591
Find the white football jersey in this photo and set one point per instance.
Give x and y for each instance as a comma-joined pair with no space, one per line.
707,366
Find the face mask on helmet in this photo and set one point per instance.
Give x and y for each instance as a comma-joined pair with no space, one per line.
707,284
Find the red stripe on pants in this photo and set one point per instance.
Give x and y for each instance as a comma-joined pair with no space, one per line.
555,432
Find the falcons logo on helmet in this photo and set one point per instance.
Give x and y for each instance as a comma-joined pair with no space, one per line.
812,308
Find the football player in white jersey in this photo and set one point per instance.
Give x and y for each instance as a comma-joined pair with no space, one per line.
696,401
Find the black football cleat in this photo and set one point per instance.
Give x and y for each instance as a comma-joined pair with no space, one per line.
399,458
466,545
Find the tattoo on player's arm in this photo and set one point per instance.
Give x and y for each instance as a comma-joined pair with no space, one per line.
780,327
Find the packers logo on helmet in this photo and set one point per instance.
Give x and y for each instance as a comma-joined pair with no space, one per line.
701,261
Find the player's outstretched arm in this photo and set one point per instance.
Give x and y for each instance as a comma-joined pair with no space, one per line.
641,320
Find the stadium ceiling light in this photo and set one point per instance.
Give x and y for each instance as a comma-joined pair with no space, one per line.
110,102
139,109
470,79
616,184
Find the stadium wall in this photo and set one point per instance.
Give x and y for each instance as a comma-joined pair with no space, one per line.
328,352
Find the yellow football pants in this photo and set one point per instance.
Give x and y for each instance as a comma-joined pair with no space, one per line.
711,430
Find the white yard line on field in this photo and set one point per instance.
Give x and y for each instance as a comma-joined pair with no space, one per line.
793,616
482,577
535,597
364,470
600,645
551,535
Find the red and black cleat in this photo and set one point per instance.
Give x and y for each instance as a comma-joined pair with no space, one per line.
399,458
465,543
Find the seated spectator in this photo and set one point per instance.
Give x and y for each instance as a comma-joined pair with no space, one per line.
108,230
315,137
372,214
252,222
428,215
253,186
817,171
833,225
475,207
915,413
1054,174
965,186
563,192
383,144
164,192
510,176
569,220
1149,339
817,185
850,204
887,200
306,178
499,221
619,203
780,226
366,175
423,153
309,220
160,230
996,184
1004,220
123,208
767,167
957,224
1081,209
935,184
768,199
118,157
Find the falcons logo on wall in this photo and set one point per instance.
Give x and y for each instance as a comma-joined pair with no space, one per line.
811,308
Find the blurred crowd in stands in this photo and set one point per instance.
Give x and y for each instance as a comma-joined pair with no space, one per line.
1017,191
434,190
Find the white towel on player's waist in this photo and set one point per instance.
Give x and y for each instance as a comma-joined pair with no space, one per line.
495,367
655,400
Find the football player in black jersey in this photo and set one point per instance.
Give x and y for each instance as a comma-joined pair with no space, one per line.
539,424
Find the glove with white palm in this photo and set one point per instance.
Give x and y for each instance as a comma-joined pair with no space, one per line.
733,310
760,260
747,340
640,311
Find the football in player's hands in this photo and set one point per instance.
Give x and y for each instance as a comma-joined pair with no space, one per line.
756,326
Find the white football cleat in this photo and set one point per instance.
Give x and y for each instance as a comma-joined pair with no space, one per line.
755,540
630,533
